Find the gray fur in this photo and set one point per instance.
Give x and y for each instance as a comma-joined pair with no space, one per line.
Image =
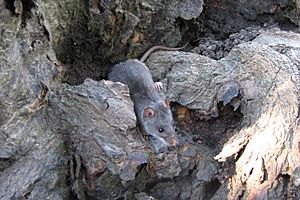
137,76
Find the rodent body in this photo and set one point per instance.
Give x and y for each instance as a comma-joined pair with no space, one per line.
151,107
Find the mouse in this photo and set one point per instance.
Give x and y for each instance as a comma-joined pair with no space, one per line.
151,107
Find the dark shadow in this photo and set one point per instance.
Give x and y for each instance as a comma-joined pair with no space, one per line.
210,131
211,188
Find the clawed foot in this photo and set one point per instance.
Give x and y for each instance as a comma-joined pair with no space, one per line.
158,86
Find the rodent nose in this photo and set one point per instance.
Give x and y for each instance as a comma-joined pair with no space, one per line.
173,141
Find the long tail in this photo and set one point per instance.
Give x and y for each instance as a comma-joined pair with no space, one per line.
152,49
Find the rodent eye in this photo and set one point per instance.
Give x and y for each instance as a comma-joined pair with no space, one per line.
161,130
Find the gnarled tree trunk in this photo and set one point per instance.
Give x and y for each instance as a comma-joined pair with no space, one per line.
236,106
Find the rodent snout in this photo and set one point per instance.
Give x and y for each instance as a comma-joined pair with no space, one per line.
172,140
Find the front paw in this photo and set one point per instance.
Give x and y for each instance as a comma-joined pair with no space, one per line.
158,86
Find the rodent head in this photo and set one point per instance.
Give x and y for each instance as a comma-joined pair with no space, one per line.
158,125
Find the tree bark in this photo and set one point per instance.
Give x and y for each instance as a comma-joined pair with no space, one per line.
65,133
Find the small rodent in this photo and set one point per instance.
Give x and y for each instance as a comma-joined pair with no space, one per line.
151,108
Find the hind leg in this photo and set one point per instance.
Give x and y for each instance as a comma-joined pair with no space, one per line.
158,86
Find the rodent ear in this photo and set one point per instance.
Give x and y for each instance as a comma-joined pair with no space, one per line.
148,112
167,103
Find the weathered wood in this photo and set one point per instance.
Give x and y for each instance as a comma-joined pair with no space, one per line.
265,72
237,118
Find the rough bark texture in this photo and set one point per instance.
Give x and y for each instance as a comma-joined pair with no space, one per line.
261,80
236,106
32,156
